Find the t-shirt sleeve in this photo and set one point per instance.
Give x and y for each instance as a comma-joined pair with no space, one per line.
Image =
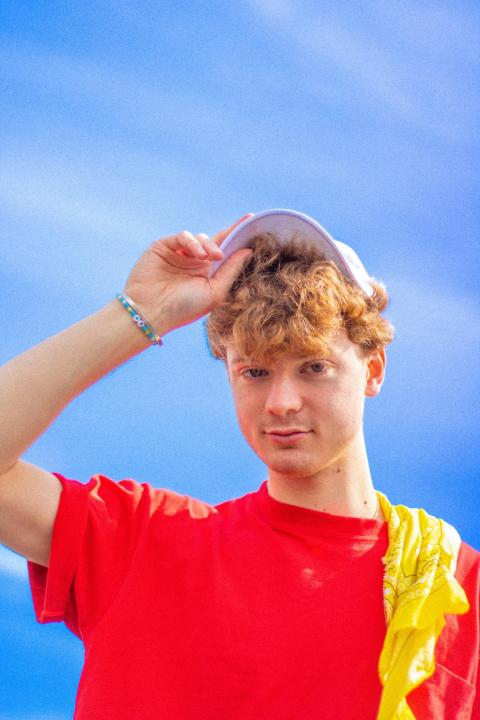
468,574
51,586
99,528
453,689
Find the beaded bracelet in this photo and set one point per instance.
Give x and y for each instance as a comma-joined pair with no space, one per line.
140,321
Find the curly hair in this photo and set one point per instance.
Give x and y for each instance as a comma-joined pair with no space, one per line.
291,299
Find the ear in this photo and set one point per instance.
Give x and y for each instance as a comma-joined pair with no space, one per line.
375,369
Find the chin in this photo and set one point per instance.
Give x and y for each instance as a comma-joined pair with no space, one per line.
291,466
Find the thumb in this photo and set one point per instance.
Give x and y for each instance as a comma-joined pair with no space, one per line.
226,275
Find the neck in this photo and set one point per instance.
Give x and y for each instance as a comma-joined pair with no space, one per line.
344,487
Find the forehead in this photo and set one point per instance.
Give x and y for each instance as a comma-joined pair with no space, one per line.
339,345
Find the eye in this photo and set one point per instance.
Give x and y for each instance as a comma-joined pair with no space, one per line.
255,372
318,368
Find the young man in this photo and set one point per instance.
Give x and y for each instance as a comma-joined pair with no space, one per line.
312,597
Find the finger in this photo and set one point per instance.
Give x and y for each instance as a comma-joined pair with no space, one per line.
227,273
220,236
206,250
185,243
213,252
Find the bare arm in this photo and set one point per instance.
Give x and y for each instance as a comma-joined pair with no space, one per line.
39,383
170,284
34,389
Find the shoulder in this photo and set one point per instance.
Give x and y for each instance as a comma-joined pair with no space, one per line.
236,505
106,495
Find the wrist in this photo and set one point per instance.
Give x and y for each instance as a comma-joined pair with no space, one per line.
128,334
153,312
139,318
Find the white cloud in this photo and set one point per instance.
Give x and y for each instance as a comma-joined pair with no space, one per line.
430,86
442,30
276,9
131,99
52,194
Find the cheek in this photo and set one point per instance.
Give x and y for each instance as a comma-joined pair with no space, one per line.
249,417
341,407
247,412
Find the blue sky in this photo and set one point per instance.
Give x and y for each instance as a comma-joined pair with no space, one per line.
126,121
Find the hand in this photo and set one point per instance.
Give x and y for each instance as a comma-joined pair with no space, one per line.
170,282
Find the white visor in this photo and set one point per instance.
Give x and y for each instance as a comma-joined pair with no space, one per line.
287,223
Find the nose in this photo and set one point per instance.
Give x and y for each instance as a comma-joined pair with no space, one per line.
283,397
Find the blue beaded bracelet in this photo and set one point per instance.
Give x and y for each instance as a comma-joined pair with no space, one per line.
139,320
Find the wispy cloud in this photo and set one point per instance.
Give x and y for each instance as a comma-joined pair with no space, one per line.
429,86
450,32
56,194
133,99
275,9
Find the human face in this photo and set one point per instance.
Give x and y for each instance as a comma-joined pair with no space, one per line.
304,415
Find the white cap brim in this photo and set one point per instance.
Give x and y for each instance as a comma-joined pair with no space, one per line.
286,223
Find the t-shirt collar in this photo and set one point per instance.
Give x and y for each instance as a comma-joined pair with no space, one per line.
293,518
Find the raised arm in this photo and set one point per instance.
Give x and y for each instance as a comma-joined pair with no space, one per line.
171,287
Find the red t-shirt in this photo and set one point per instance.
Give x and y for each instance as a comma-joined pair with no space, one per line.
252,609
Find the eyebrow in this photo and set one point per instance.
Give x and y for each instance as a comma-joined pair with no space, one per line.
238,358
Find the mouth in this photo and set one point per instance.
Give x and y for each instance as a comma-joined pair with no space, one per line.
286,436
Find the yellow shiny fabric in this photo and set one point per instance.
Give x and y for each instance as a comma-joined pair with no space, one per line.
419,587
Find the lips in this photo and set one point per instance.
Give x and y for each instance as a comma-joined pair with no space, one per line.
289,431
285,437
